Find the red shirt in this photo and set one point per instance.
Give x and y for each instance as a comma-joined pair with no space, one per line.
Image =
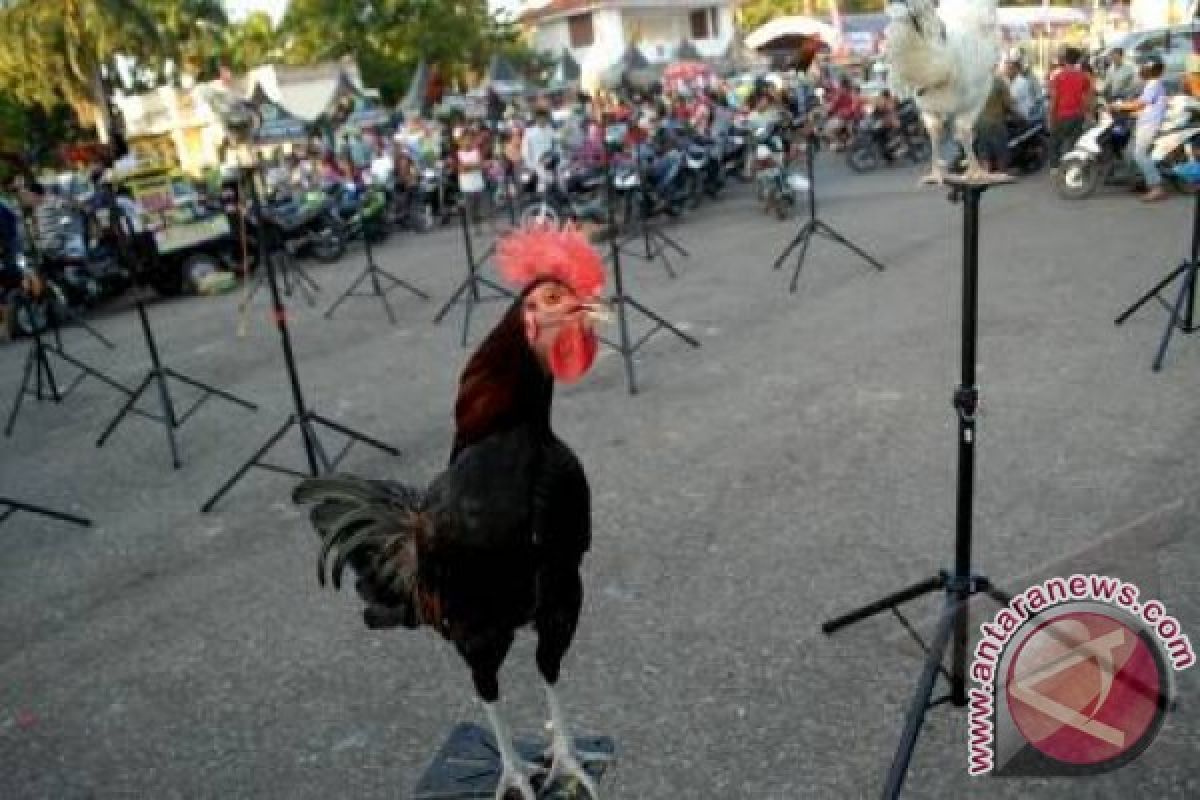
1070,87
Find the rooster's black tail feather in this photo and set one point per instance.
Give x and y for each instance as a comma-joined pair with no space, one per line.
373,527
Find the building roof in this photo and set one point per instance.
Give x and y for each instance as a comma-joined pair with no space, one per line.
534,11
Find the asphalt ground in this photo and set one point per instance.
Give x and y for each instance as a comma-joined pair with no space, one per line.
798,464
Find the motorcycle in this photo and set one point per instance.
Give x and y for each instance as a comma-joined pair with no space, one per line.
1099,158
305,225
779,182
571,193
872,140
705,169
1028,142
86,275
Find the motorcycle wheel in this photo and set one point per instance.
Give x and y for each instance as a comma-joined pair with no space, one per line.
784,205
424,218
1078,178
540,213
919,149
862,159
692,187
195,268
328,246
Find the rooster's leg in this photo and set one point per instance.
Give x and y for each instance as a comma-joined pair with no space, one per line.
933,126
511,776
560,597
565,764
485,655
976,172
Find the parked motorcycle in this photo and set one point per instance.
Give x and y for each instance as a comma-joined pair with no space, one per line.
873,144
85,274
572,192
779,182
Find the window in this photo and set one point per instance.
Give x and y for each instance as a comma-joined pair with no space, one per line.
580,29
706,23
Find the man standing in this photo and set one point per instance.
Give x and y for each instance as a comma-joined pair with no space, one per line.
1071,92
1120,80
538,141
1021,85
1151,109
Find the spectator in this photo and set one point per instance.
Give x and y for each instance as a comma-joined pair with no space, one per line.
1071,94
1120,79
1151,109
45,211
1192,79
991,129
1021,85
537,142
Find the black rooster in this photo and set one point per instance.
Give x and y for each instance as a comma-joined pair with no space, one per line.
496,542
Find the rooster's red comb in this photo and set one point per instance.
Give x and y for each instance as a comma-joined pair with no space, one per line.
564,255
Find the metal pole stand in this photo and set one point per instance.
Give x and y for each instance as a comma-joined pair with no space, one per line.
468,292
13,506
961,584
157,377
279,256
644,231
375,274
622,302
815,226
467,767
302,417
1183,311
38,378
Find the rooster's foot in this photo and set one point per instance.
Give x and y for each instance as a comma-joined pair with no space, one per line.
933,179
514,786
567,771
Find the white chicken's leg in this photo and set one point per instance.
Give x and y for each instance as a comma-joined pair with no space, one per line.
933,126
975,173
564,761
511,776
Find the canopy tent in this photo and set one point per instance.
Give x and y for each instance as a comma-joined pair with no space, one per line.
631,68
414,99
788,33
566,73
276,124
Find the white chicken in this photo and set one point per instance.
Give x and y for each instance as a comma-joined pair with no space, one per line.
948,58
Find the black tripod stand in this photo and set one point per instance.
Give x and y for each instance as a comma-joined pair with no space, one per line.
815,226
376,275
157,377
13,506
470,291
622,303
289,270
1183,311
960,584
38,378
302,417
645,231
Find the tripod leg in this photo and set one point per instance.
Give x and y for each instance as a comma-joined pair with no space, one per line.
77,318
14,506
454,299
920,702
849,245
125,409
795,282
346,294
884,604
51,381
469,306
251,462
204,387
382,297
668,241
403,284
21,390
370,441
1150,295
626,349
164,398
805,231
312,443
662,322
1176,319
100,376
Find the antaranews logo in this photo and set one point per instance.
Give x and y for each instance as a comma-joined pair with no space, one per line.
1072,677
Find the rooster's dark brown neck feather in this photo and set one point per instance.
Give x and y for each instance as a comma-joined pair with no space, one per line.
502,386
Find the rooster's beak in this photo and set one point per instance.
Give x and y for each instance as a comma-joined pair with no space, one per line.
598,312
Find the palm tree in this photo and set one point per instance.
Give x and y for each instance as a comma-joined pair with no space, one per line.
56,51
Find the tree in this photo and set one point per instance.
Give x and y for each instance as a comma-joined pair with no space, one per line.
56,51
192,32
251,42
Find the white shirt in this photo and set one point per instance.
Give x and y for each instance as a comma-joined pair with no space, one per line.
538,141
1024,94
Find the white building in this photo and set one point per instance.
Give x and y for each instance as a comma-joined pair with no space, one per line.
597,32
